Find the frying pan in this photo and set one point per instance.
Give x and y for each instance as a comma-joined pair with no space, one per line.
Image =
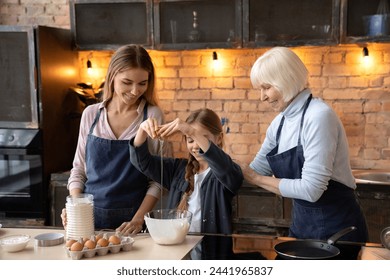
311,249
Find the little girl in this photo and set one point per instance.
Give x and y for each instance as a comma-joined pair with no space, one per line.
203,184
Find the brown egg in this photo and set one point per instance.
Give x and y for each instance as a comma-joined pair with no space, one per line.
99,236
70,242
90,244
103,242
77,246
114,240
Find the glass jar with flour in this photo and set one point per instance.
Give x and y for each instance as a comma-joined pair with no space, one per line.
80,218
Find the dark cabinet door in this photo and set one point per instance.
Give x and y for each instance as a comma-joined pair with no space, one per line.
258,211
107,25
284,22
197,24
365,21
18,95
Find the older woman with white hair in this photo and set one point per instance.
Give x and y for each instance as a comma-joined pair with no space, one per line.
305,153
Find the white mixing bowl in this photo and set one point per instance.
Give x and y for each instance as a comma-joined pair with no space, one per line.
168,226
14,243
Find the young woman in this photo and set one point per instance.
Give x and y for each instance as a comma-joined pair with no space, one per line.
101,165
206,182
305,153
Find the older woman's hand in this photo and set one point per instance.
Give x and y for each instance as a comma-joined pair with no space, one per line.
249,174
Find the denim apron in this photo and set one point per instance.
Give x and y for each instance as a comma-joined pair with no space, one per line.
336,209
118,188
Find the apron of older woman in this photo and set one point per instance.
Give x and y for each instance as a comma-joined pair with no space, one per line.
336,209
118,188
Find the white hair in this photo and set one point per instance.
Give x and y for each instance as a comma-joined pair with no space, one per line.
281,68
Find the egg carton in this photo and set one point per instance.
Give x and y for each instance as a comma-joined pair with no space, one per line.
125,245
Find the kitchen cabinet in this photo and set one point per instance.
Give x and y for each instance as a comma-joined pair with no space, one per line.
201,24
197,24
284,22
375,202
107,25
257,211
58,192
362,23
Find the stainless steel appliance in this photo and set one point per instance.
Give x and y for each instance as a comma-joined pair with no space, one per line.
21,173
37,67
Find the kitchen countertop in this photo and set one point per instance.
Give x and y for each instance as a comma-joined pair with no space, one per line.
371,253
143,248
236,246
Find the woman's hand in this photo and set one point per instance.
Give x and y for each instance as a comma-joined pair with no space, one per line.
150,126
132,227
147,128
268,183
73,192
64,218
249,174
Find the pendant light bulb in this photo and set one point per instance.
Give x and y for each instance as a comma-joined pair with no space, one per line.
216,63
215,56
365,52
89,68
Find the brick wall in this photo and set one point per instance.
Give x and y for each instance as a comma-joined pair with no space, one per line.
358,92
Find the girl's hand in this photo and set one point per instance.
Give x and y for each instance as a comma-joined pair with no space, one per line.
176,125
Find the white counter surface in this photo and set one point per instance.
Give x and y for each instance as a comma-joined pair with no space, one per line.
144,248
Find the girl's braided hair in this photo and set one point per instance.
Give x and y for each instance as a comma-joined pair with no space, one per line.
210,121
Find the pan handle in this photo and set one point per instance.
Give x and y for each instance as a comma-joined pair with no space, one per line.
333,239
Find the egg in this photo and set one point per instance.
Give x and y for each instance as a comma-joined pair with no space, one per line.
114,240
99,236
70,242
90,244
103,242
77,246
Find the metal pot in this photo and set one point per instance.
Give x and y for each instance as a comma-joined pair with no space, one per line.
311,249
385,237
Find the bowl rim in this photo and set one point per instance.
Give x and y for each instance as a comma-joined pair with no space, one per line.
189,213
25,239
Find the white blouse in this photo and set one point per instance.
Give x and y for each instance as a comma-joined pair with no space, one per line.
194,203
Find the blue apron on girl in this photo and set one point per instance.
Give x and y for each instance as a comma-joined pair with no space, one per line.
118,188
336,209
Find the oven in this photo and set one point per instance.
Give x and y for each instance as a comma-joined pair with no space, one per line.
37,67
21,169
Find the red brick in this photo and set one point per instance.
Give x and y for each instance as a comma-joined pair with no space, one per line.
228,94
250,128
239,149
371,154
189,83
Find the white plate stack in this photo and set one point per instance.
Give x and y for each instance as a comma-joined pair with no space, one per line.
80,218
